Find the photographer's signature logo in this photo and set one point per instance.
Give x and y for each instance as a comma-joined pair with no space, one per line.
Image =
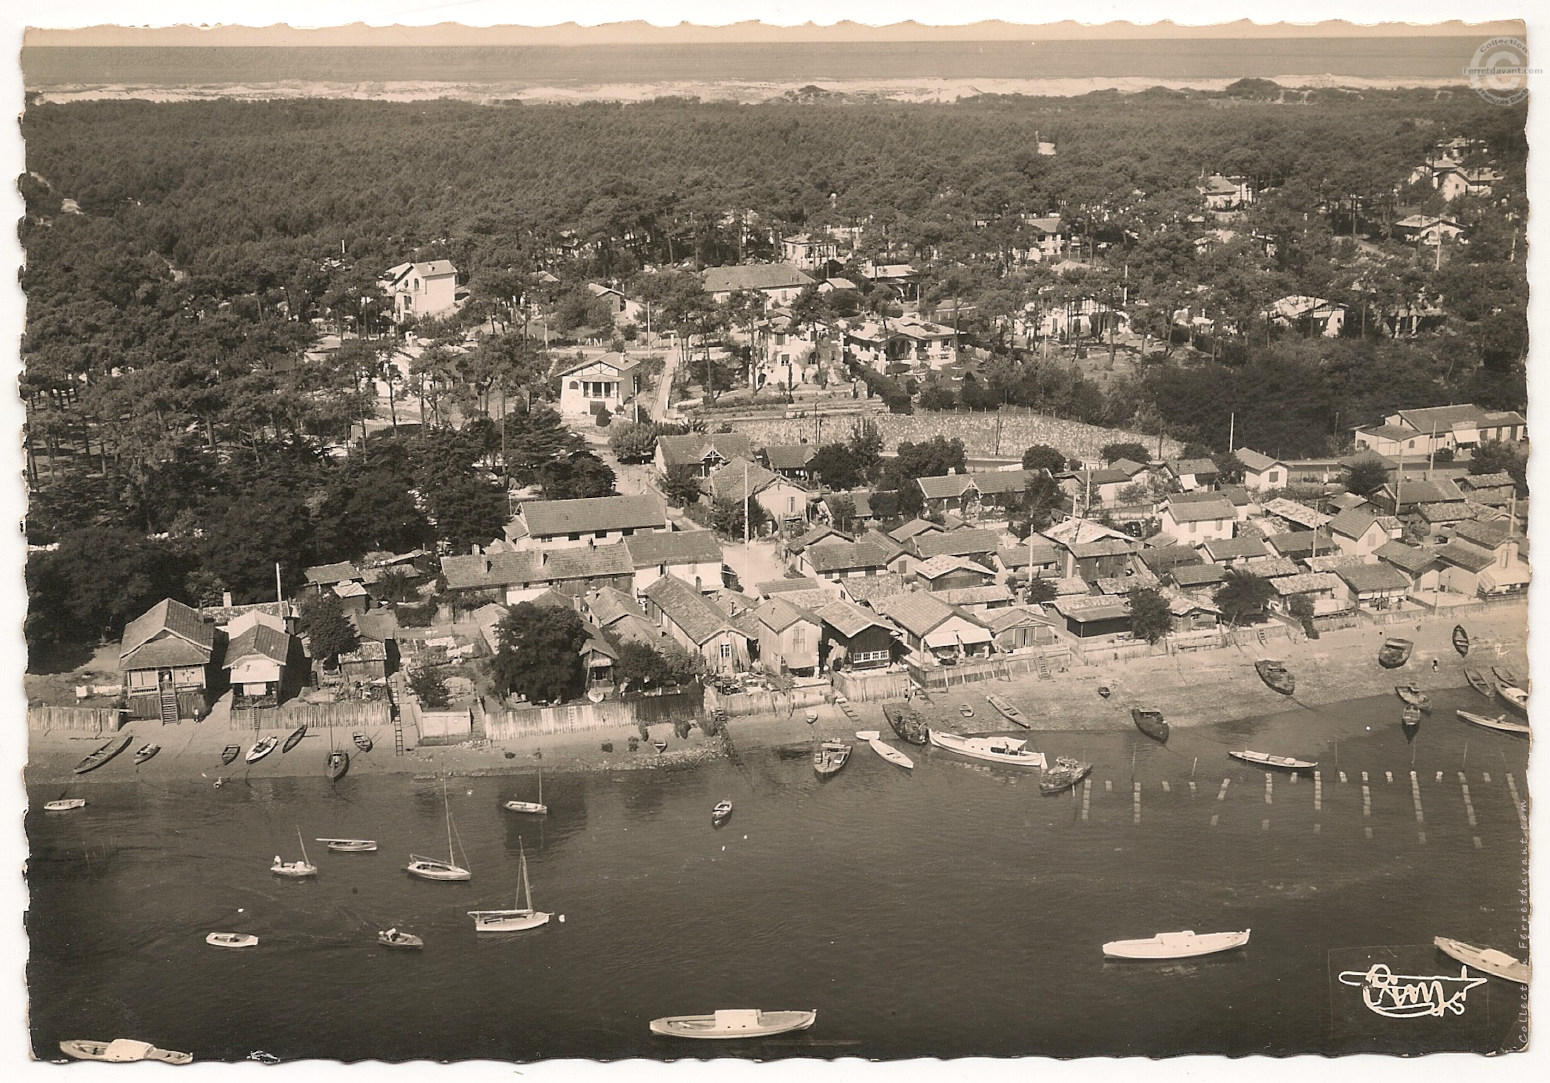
1499,71
1409,996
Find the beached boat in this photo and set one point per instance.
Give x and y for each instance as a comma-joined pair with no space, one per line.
261,749
907,723
733,1023
1500,722
535,808
229,753
1410,716
1063,774
1264,759
1004,750
351,846
362,742
103,754
397,938
811,716
1478,682
965,710
1276,676
145,752
720,813
1413,696
1514,697
430,868
1394,653
337,764
121,1051
1150,722
518,919
1012,713
1505,675
232,940
891,754
294,739
1498,964
1460,640
294,869
830,756
1181,945
1104,691
65,804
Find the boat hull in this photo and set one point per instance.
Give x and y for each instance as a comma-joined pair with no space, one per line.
1460,640
1498,964
402,942
294,739
1276,676
726,1025
231,940
1150,723
103,754
338,763
437,870
1182,945
146,752
1515,698
230,753
507,921
830,757
532,808
982,748
1264,759
1012,714
1499,723
66,805
891,754
1478,682
122,1051
260,750
351,846
1413,696
362,742
906,724
295,870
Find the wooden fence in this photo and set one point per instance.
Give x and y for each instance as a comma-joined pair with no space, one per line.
1001,667
871,685
352,715
42,718
764,702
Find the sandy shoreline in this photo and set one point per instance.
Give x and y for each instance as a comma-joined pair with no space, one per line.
1196,689
917,90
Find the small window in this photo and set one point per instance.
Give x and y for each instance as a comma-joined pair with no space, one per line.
574,537
726,651
575,385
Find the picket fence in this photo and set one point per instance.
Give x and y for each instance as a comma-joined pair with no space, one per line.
42,718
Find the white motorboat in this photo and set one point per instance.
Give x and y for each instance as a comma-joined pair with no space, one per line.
397,938
122,1050
891,754
1004,750
65,804
1500,722
294,869
535,808
232,940
1182,945
733,1023
1515,697
261,749
433,868
1498,964
351,846
516,920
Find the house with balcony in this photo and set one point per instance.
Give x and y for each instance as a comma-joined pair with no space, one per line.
170,660
257,660
809,252
935,631
597,384
696,623
1219,193
855,638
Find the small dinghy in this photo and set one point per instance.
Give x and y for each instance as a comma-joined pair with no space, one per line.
965,710
294,739
1461,640
397,938
1414,696
811,716
122,1050
350,846
829,757
261,749
1506,675
733,1023
1012,713
1478,682
1394,653
868,735
1065,773
338,763
1500,722
103,754
65,804
1181,945
1003,750
1498,964
1276,676
1151,722
1104,691
533,808
232,940
660,746
719,814
362,742
1264,759
229,753
296,870
145,752
891,754
1514,697
1410,717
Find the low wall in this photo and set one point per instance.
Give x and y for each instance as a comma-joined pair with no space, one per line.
871,686
511,723
445,727
1001,667
761,702
42,718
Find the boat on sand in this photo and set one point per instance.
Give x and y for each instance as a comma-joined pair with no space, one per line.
1500,722
337,764
103,754
229,753
261,749
1150,722
1003,750
1012,713
1460,640
907,723
294,739
1276,676
891,754
122,1050
1514,697
1498,964
1478,682
1264,759
733,1023
146,751
1395,652
362,742
1181,945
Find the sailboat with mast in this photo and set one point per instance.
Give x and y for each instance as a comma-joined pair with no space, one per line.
516,920
536,808
294,869
431,868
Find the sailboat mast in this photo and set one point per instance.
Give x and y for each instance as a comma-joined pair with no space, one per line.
527,889
448,807
303,847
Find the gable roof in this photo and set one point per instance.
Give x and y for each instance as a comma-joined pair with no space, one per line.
324,575
845,556
914,528
260,639
696,615
872,589
1255,461
1465,556
982,595
1000,482
944,563
1039,552
815,534
1367,577
1305,582
777,614
918,611
1299,542
1201,511
1180,467
958,543
1241,547
549,518
1414,559
189,639
693,448
673,547
849,619
1451,511
1295,512
754,276
789,456
944,486
1485,535
1352,522
727,483
1162,558
1196,575
786,586
616,361
607,605
1421,491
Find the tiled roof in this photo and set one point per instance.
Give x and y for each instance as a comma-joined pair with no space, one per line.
846,556
777,614
692,448
1420,491
1235,548
1254,460
1195,575
958,543
1070,585
616,361
536,568
192,639
861,498
1452,511
883,543
1000,482
585,562
1352,522
1164,557
328,574
819,532
1485,481
1076,531
1369,577
984,595
1446,418
849,619
1012,616
917,612
673,547
1017,556
914,528
784,586
548,518
727,483
789,456
754,276
1298,542
1305,582
1202,511
696,615
871,589
1099,607
1294,512
943,564
945,487
1270,567
1124,584
259,639
608,605
1466,556
1485,535
1413,559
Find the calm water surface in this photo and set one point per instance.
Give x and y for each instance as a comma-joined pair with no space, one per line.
949,911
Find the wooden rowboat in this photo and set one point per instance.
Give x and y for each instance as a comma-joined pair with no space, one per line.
362,742
1460,640
338,763
1150,722
1414,696
229,753
1395,653
1264,759
103,754
294,739
1276,676
1500,722
830,756
351,846
1506,675
1012,713
145,752
65,804
1478,682
1514,697
397,938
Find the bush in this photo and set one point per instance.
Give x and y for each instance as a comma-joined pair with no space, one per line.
603,418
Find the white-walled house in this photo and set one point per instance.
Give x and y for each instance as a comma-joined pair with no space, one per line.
1197,521
607,383
421,290
1261,473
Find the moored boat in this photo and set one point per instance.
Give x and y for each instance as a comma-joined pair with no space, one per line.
1505,675
891,754
1063,774
431,868
1150,722
1104,691
261,749
103,754
146,751
1180,945
1276,676
1460,640
296,870
1498,964
122,1050
350,846
811,717
1478,682
1004,750
1413,696
397,938
294,739
1012,713
534,808
830,756
733,1023
1410,716
232,940
521,917
1514,697
965,710
1394,653
907,723
338,763
1500,722
229,753
362,742
64,804
719,814
1264,759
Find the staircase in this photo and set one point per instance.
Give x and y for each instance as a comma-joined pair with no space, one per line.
844,705
169,705
1044,673
1260,632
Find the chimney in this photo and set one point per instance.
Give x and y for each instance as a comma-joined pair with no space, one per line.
226,598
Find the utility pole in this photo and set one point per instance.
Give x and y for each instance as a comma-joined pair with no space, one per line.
747,498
